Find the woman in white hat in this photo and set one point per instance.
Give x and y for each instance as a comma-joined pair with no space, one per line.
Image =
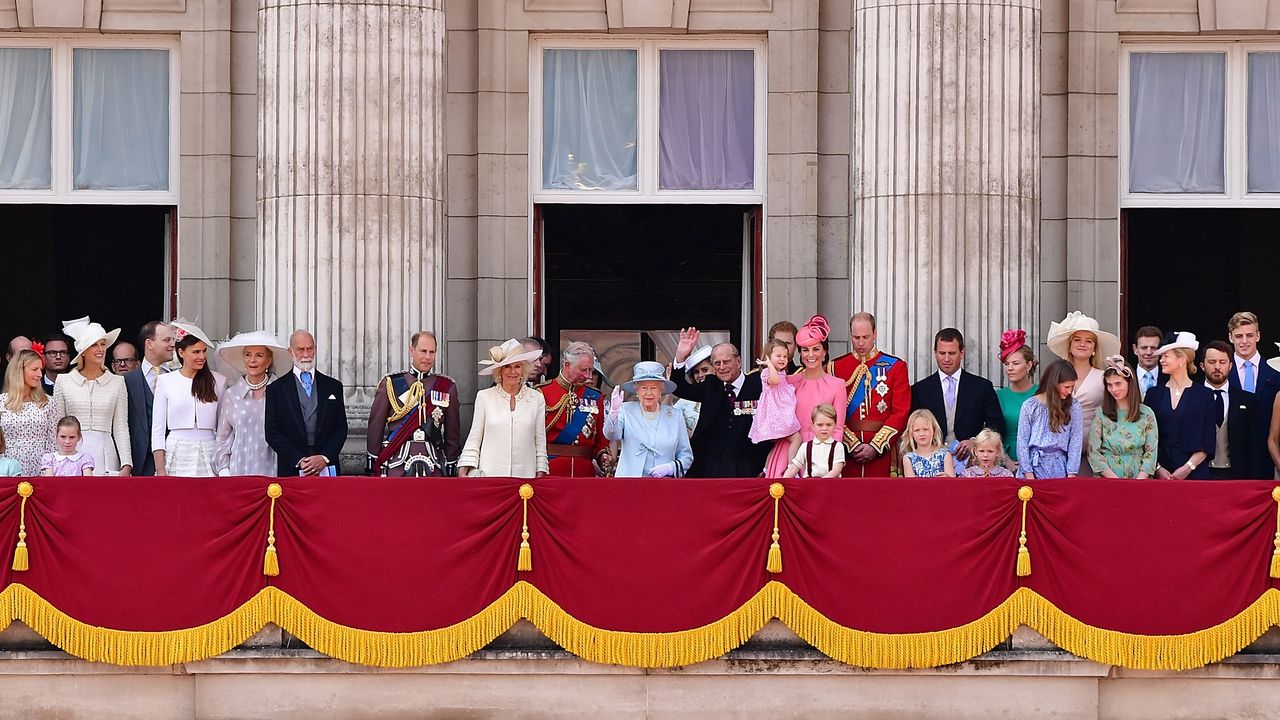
1184,413
653,436
240,445
508,432
1079,341
97,398
184,413
697,368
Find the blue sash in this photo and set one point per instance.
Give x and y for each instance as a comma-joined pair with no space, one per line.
574,424
860,390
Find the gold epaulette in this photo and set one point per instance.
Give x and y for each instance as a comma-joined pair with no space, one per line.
882,438
544,383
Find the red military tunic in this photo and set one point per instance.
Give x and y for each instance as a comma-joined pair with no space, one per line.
881,389
562,403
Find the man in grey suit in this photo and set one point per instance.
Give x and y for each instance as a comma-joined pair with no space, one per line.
156,339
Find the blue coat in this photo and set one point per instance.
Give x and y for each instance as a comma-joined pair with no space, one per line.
643,447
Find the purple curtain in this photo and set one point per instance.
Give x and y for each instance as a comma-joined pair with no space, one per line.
707,120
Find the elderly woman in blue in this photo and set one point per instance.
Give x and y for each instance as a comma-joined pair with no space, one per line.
654,440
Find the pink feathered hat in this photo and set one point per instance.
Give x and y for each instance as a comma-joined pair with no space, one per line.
813,332
1011,341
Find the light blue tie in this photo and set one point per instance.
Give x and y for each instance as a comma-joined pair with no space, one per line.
1247,380
1148,381
306,382
950,397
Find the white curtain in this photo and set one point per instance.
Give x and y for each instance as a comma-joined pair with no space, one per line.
26,118
706,120
1176,122
1264,122
589,119
121,119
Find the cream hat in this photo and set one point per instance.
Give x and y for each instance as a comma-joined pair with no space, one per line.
182,329
87,334
509,352
1059,341
231,352
1180,340
1275,361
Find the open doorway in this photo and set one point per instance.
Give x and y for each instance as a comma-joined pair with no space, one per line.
107,261
633,275
1189,269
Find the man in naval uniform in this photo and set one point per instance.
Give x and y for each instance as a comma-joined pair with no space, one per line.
576,445
414,423
877,401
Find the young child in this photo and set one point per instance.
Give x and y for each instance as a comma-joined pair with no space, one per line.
68,460
8,466
922,451
823,456
775,412
987,461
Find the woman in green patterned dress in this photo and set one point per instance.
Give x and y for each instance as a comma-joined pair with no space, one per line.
1123,438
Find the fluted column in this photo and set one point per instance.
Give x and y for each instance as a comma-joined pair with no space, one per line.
350,178
945,172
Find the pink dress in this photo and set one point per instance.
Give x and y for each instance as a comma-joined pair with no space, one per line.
827,389
775,415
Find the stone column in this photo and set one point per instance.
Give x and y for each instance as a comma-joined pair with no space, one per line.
350,179
945,173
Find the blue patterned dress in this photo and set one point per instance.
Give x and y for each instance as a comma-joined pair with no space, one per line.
1043,452
934,465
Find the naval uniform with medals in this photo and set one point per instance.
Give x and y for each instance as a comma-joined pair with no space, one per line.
414,426
575,428
878,401
721,444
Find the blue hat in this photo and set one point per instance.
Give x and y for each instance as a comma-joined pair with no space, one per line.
649,370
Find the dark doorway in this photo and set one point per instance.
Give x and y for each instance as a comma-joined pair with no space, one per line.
1190,269
644,268
106,261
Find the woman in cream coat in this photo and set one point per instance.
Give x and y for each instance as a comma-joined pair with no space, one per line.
97,398
508,433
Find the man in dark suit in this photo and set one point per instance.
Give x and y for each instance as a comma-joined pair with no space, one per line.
1234,457
1146,341
306,418
156,339
721,447
1251,373
962,402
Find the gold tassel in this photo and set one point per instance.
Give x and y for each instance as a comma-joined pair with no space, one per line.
1275,554
524,562
21,562
271,563
1024,555
774,562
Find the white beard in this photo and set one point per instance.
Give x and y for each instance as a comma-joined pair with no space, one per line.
307,366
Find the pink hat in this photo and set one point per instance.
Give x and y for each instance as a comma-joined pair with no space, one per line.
813,332
1011,341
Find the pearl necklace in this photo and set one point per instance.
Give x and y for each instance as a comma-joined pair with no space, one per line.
258,386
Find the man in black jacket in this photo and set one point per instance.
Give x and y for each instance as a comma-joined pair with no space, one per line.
721,447
156,339
306,417
962,402
1234,456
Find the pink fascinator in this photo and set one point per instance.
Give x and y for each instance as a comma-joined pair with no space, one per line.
1011,341
813,332
1116,362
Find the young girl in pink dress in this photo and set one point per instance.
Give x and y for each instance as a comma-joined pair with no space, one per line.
814,386
775,414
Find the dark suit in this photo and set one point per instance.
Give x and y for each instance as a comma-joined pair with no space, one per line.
721,447
286,431
140,398
976,404
1240,411
1266,386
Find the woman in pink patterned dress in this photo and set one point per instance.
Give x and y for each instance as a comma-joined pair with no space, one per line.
814,386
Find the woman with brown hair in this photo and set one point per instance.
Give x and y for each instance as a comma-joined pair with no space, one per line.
24,412
1184,412
1050,429
184,417
1123,438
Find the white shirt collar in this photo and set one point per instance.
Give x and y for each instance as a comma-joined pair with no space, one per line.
737,383
1211,387
298,372
955,375
829,441
1240,361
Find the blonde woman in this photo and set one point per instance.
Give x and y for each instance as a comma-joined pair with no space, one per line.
97,398
24,412
508,435
1080,341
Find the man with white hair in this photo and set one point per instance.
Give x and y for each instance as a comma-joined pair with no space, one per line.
306,417
575,417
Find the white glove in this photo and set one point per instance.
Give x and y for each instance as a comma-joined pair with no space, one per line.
663,470
615,400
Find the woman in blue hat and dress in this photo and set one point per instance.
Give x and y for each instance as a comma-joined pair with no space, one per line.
654,440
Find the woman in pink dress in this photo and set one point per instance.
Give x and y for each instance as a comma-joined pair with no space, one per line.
814,386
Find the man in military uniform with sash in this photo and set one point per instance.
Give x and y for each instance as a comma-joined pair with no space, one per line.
878,401
414,424
576,445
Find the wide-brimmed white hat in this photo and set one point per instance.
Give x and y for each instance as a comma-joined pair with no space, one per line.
647,370
1059,340
697,357
182,328
509,352
231,352
1275,361
86,334
1180,340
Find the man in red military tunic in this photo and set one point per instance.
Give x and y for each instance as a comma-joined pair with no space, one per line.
575,417
878,401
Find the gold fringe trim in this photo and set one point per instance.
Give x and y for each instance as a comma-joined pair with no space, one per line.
638,649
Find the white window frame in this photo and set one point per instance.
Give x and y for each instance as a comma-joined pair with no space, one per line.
647,91
1236,108
62,153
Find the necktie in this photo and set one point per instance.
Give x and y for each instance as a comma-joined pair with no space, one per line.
1218,412
1246,378
1148,381
730,395
950,396
306,382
